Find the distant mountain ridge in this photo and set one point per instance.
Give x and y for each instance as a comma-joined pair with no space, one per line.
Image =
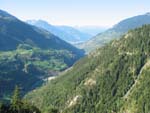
92,30
15,32
4,14
66,33
115,32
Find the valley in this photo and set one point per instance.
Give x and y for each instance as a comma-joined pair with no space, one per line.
74,56
30,54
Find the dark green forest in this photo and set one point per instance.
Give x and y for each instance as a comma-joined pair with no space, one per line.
18,105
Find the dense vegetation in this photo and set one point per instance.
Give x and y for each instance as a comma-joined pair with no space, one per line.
17,105
115,32
112,79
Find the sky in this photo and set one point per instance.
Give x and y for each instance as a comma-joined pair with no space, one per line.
104,13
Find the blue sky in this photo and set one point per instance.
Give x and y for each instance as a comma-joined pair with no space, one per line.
76,12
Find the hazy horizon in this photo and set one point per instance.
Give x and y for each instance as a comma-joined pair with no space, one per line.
104,13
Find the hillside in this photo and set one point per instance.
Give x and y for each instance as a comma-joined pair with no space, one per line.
28,55
14,32
112,79
66,33
115,32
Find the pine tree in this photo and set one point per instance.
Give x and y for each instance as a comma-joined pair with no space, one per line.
18,105
16,102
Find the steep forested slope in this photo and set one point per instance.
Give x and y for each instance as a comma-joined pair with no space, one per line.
115,32
112,79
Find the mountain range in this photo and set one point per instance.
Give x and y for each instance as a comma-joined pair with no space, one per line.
14,32
115,32
29,54
67,33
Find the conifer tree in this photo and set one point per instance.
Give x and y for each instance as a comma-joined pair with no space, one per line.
16,102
